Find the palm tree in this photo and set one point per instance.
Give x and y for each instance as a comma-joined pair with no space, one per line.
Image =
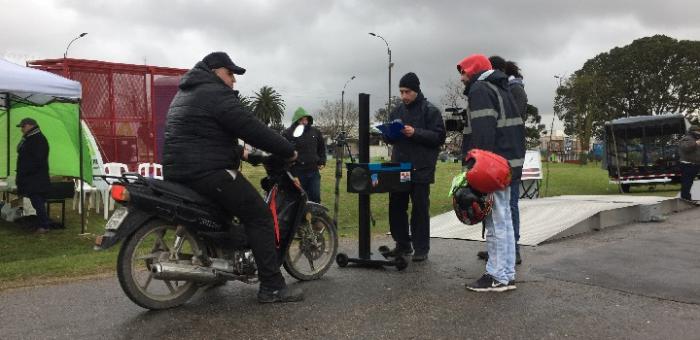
268,106
247,102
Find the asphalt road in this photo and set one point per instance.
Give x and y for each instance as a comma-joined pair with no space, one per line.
639,281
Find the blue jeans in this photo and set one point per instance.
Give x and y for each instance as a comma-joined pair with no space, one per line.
311,182
515,211
500,239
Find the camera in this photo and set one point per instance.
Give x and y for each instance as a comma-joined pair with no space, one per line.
456,119
341,138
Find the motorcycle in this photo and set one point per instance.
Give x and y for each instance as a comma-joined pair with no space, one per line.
176,242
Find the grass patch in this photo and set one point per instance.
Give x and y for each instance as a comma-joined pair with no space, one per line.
26,258
590,179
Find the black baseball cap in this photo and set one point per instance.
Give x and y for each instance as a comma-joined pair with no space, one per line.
27,121
221,59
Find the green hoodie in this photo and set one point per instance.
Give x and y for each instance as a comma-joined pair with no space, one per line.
301,113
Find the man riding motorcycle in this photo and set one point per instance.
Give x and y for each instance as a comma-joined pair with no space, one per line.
205,120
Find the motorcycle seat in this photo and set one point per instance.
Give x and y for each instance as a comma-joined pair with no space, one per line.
179,191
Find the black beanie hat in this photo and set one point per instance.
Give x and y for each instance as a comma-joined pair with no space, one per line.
410,80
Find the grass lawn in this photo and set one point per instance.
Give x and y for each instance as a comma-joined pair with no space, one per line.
27,258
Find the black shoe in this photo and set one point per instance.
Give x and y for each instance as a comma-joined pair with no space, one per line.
483,255
420,257
518,259
511,285
486,283
398,251
285,294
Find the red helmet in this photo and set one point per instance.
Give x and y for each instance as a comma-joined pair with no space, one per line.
487,172
471,206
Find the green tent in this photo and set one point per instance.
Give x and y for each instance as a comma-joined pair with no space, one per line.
54,102
59,123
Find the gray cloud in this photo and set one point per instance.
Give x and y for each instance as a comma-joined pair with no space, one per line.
308,49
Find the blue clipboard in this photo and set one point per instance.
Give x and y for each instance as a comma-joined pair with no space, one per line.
392,130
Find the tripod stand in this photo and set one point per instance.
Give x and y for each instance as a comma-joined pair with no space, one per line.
341,145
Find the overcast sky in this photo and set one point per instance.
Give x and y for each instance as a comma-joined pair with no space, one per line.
307,50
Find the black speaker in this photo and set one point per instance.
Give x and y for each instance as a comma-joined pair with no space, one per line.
371,178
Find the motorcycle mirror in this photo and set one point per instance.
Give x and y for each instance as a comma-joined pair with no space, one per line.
298,131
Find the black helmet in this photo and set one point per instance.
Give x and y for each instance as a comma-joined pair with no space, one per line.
470,205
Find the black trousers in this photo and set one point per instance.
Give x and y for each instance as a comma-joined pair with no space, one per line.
39,204
420,218
239,198
688,173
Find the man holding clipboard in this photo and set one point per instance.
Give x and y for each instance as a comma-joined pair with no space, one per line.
416,132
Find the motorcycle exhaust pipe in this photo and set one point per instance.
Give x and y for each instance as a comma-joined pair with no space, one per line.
183,272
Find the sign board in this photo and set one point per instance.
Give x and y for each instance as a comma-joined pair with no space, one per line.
532,168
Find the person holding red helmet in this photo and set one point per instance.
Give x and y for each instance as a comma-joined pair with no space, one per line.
493,124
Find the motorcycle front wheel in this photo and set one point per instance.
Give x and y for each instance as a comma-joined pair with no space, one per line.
313,248
151,243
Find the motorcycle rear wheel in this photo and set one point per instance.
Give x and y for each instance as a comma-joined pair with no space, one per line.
313,248
137,254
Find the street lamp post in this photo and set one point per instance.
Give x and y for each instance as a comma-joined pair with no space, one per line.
80,148
550,144
388,50
551,129
65,54
340,144
342,105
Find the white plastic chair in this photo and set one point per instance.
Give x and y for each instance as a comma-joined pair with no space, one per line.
88,195
102,189
113,169
153,170
157,171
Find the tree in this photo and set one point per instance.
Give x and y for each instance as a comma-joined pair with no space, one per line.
331,119
533,128
454,97
381,116
247,102
652,75
268,106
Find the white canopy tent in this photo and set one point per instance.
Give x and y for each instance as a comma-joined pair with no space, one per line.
36,86
43,95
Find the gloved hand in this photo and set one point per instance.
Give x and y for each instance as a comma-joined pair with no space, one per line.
255,158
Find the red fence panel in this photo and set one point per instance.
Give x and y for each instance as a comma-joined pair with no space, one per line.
124,105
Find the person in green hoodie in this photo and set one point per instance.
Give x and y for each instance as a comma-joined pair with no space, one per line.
312,154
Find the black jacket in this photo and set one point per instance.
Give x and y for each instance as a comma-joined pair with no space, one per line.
494,123
310,146
204,123
33,164
517,89
423,147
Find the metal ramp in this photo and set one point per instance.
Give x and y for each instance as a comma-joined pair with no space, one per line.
557,217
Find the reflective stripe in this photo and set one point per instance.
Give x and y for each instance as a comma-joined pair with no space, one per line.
516,162
510,122
500,99
484,113
503,121
485,75
467,130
